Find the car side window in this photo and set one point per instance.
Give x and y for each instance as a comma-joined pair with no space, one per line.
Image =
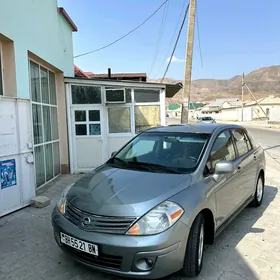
242,141
223,149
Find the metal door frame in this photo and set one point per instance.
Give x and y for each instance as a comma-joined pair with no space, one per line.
73,145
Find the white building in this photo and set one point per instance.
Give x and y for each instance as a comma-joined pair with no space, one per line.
36,53
105,115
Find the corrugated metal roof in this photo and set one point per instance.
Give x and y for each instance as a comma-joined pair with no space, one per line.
235,103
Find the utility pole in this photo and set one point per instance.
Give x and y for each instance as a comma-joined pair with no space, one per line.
188,65
242,98
256,101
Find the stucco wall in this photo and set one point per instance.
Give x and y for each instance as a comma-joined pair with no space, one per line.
226,115
36,26
62,124
274,115
258,112
233,114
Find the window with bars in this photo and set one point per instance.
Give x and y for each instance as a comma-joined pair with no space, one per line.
45,123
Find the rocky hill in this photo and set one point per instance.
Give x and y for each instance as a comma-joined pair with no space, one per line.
262,82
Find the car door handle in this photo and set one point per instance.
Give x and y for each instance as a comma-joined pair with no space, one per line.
255,157
238,168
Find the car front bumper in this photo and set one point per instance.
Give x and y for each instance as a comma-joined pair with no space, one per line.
125,255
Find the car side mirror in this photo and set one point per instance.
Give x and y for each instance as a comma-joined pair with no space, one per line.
223,167
113,154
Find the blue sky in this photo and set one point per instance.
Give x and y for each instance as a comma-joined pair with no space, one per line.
235,36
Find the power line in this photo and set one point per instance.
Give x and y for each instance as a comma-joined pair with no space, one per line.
175,46
174,34
198,35
134,29
160,36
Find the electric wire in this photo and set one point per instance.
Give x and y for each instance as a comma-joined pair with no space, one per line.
162,26
173,37
131,31
175,46
198,36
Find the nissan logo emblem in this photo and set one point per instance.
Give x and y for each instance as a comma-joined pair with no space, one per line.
86,221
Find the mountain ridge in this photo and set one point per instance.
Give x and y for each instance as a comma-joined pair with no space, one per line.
262,82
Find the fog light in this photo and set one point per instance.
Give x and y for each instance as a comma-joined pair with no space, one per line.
145,264
149,262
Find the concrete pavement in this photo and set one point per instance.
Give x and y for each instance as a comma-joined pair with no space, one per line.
249,248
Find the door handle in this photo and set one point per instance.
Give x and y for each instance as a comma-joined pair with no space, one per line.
255,158
238,168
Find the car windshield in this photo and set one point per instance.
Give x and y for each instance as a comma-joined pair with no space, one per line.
206,118
162,152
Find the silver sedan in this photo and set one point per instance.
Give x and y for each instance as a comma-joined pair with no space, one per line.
150,209
207,119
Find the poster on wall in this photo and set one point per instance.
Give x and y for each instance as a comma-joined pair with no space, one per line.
8,173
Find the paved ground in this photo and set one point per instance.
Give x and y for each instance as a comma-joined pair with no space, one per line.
248,249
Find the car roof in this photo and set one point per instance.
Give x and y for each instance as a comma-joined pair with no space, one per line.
193,128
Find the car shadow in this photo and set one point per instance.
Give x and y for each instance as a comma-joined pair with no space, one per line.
273,147
237,245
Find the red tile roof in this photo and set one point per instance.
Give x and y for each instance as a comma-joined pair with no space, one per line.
89,73
118,75
68,19
80,73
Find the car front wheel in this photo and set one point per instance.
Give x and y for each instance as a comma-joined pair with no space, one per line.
195,247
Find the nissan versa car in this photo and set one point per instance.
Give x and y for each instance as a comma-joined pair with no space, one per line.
150,209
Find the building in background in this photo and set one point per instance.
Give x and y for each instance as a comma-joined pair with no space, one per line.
103,115
137,77
36,52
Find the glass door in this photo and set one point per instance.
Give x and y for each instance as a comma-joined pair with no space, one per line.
87,137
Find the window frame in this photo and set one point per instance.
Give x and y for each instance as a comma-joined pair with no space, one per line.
87,122
2,89
51,106
248,139
102,97
118,101
211,170
121,134
132,106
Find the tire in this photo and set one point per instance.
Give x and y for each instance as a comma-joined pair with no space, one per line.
194,252
258,196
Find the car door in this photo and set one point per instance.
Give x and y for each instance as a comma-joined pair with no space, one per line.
247,163
226,189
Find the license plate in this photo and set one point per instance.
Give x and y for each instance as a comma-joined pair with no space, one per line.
79,244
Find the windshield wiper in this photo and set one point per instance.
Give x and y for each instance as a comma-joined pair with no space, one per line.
124,163
166,168
142,164
154,167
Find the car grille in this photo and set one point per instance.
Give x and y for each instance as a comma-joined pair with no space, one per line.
103,260
104,224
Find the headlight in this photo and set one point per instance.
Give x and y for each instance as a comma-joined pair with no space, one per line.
158,219
61,204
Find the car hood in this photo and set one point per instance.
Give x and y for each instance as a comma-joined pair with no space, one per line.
111,191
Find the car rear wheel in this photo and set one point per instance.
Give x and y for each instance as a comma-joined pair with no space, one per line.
195,247
258,197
